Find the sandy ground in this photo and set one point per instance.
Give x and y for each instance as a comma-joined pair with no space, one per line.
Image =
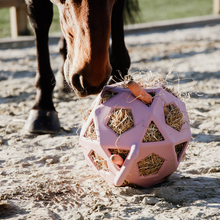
46,176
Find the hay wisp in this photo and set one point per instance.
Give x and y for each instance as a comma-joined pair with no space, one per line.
121,120
99,161
153,134
91,133
174,117
108,95
150,165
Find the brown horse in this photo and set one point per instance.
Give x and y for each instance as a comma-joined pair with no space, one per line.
86,26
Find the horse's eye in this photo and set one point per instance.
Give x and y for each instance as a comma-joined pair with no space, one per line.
62,1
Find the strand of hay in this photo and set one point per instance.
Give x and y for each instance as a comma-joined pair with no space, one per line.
174,117
170,90
85,113
150,80
153,134
99,161
127,183
150,165
91,134
108,95
121,120
121,152
179,148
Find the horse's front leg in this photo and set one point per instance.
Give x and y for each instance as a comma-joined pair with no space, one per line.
119,57
43,117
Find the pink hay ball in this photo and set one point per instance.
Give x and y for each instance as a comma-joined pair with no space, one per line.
145,163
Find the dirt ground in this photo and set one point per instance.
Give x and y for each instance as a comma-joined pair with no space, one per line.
46,176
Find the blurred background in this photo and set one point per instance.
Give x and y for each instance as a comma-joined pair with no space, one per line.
150,11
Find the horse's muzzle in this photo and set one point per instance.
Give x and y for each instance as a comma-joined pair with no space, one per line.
83,88
88,80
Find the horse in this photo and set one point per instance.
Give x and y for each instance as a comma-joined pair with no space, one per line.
88,58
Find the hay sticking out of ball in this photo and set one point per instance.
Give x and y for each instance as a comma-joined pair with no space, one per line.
127,183
179,148
121,152
153,134
91,133
108,95
174,117
170,90
151,80
121,120
99,161
150,165
85,113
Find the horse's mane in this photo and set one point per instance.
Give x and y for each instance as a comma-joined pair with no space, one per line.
131,11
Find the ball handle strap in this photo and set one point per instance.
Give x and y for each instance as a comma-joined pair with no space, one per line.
126,167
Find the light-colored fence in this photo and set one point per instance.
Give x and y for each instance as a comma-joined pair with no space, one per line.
216,6
18,16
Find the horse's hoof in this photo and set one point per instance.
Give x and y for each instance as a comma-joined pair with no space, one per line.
42,121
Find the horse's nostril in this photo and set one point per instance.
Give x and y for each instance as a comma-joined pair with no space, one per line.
83,87
77,82
81,81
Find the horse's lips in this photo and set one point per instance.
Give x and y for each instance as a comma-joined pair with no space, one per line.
90,90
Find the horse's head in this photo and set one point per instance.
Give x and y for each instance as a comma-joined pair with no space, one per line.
86,26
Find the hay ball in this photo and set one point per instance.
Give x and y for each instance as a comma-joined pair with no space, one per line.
151,139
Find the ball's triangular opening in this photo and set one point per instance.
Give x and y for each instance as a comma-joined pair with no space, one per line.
153,134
